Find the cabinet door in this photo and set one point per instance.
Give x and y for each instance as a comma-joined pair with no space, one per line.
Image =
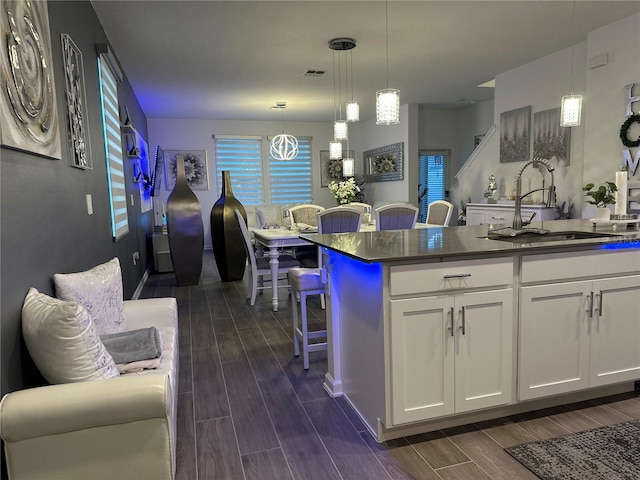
615,331
421,359
484,349
475,216
554,339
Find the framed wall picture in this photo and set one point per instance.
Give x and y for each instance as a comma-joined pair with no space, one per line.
384,164
195,168
515,135
476,140
550,140
331,170
28,116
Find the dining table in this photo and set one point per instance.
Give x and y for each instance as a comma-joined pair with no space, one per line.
275,239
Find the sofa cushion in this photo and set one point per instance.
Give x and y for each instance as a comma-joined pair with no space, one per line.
62,340
99,290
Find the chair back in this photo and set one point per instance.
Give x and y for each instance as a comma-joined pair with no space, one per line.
439,212
339,220
396,216
248,246
306,213
365,208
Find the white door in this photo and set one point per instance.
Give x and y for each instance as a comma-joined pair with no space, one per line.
484,349
615,332
421,359
554,339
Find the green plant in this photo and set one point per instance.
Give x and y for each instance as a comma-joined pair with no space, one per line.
602,196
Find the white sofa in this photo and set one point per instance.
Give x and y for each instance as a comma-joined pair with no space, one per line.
121,428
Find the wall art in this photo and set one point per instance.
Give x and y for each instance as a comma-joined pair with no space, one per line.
28,111
384,164
550,140
476,140
75,94
515,135
195,168
331,170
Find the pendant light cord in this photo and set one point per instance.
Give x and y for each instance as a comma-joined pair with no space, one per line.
573,41
386,21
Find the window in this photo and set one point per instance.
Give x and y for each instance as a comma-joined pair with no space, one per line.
255,182
291,181
110,75
433,169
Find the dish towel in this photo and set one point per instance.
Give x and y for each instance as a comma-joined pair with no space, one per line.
134,345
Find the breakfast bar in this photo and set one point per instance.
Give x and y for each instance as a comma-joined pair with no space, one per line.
446,326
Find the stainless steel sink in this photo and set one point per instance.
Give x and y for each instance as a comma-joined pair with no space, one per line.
529,237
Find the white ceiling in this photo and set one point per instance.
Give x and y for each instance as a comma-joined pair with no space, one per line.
234,59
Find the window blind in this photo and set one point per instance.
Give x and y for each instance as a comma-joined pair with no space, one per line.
291,180
241,156
113,146
432,175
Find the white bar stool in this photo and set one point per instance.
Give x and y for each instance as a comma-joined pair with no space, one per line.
303,282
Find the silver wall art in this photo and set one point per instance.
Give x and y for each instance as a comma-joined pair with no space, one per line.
515,135
75,94
28,111
384,164
550,140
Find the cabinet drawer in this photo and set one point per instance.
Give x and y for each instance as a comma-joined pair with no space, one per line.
555,267
439,277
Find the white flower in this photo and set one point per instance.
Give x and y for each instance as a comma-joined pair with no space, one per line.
344,191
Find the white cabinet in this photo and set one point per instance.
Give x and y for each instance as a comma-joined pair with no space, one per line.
450,354
578,334
498,213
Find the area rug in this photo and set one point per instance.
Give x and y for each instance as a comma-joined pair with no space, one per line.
607,453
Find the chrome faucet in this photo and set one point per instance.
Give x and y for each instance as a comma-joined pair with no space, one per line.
551,197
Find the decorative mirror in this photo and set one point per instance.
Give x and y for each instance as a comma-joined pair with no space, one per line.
384,164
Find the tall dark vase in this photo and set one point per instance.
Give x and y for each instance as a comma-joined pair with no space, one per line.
228,245
185,229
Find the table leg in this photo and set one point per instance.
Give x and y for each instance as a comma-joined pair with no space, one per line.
273,263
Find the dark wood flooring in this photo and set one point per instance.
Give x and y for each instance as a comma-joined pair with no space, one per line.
248,410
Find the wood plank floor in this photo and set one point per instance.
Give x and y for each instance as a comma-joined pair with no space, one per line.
248,410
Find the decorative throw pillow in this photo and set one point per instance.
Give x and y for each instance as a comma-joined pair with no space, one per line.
62,340
99,290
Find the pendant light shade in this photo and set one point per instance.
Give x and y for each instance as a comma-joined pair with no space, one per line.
335,150
340,130
347,167
353,112
388,107
283,147
570,111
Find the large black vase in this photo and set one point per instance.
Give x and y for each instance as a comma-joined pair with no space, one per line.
185,229
228,244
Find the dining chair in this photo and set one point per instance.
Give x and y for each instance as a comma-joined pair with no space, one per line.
396,216
306,214
259,266
439,212
365,208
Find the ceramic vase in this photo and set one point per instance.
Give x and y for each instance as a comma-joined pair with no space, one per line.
603,214
228,244
185,229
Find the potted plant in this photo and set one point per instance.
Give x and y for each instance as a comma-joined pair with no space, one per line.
601,197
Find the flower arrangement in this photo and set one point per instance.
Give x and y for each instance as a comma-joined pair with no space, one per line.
344,191
601,197
385,164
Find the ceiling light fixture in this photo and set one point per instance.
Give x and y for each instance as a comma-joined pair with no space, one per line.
387,100
283,147
571,105
353,109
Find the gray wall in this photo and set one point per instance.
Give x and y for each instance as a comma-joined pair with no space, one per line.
45,227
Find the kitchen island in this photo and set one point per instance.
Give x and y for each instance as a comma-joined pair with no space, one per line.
445,326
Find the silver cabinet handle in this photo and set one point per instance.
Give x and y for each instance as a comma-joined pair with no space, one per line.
463,326
497,218
457,275
599,309
451,324
590,310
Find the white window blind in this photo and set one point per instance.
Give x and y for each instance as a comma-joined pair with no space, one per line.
109,76
433,165
241,156
291,181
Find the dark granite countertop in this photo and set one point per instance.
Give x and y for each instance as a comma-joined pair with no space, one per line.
447,243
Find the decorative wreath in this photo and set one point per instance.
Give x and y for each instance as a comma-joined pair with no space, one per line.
624,130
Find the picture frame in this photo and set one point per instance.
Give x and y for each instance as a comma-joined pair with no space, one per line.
196,168
515,135
384,164
550,140
477,140
331,170
28,119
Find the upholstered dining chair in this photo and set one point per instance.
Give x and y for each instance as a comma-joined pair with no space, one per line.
439,212
396,216
365,208
306,214
259,266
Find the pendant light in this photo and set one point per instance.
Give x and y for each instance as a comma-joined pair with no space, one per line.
340,127
571,105
387,100
353,109
283,147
